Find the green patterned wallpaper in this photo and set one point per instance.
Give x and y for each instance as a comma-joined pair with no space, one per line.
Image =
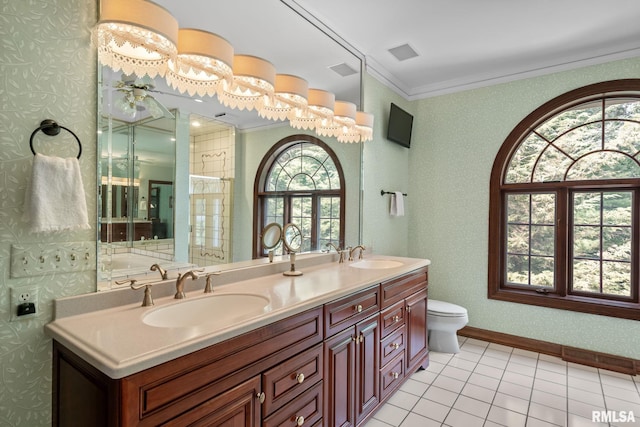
48,67
456,139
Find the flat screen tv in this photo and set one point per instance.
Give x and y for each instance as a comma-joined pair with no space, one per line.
399,126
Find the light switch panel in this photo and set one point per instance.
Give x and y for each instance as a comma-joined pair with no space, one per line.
38,259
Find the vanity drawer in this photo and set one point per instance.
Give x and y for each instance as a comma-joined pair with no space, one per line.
392,345
391,318
397,289
348,311
290,378
307,409
391,376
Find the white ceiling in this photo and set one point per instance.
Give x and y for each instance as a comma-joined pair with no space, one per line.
471,43
461,44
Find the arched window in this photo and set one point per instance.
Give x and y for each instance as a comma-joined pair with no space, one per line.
565,204
300,181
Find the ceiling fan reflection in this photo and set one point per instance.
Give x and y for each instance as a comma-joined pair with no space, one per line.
137,98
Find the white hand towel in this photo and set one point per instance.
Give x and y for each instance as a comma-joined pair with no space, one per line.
397,204
55,198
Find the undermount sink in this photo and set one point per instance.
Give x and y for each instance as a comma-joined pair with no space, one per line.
376,264
221,309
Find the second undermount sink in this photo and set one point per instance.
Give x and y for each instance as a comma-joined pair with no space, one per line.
376,264
220,309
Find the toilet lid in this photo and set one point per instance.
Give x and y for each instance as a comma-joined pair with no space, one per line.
442,308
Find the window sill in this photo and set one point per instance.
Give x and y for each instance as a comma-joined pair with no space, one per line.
623,310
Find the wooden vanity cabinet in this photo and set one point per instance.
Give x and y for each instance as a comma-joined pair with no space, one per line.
333,365
218,385
352,357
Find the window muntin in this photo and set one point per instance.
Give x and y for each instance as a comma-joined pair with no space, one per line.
582,152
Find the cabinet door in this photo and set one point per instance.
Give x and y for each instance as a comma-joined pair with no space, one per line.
367,366
416,330
234,408
339,379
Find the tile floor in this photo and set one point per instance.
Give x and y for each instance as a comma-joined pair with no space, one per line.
494,385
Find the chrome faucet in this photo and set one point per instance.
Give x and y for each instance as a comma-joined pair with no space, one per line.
362,248
162,271
180,283
338,250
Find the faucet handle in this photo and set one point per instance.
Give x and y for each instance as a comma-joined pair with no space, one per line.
147,300
207,287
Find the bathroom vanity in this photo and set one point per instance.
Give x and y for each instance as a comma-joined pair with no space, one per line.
327,349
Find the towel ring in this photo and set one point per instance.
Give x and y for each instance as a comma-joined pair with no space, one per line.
52,128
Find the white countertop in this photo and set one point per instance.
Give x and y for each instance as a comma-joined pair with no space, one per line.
117,341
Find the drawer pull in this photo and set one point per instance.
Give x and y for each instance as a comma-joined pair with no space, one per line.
395,375
261,396
300,378
396,319
395,346
358,308
299,420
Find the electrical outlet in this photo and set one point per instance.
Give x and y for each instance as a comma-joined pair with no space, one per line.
24,303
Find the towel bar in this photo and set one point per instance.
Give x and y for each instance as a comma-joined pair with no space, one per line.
52,128
382,193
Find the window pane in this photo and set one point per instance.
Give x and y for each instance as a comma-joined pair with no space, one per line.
570,119
543,209
518,208
616,243
586,276
581,140
552,166
622,136
542,271
616,278
616,208
518,269
531,239
518,239
542,240
622,109
586,242
521,165
604,165
602,250
586,208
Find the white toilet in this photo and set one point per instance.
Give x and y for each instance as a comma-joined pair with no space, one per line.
443,321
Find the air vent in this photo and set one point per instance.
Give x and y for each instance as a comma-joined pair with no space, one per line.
344,69
403,52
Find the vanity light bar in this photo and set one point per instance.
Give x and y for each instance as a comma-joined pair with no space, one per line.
140,37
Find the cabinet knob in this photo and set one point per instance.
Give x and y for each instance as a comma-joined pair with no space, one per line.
300,378
395,346
395,375
261,396
396,319
299,420
358,308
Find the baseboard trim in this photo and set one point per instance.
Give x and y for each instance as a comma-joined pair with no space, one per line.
570,354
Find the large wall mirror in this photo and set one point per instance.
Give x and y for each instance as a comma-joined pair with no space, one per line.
176,172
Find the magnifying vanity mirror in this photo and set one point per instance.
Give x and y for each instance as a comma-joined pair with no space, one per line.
271,237
292,238
177,194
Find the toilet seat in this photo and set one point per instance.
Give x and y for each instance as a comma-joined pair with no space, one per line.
445,309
